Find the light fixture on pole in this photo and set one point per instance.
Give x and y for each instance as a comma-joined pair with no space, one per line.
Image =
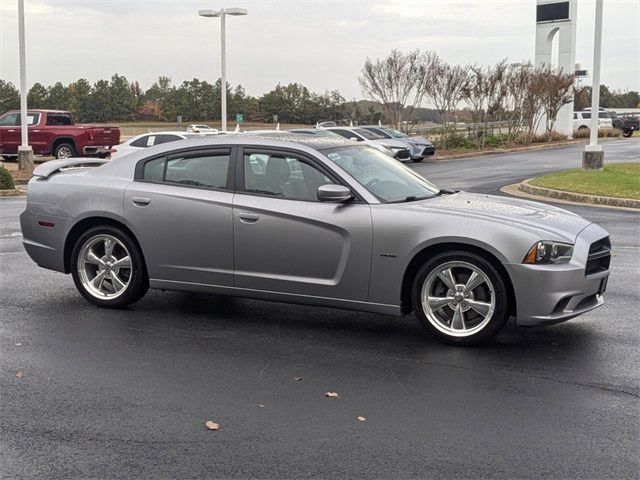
222,13
593,156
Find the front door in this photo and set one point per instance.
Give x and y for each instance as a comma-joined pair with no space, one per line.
181,208
285,240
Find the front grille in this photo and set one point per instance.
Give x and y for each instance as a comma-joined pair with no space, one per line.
428,151
403,154
599,257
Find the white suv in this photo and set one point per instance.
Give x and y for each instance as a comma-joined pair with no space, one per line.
582,119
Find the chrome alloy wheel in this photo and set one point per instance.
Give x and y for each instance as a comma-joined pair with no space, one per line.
458,299
64,152
104,267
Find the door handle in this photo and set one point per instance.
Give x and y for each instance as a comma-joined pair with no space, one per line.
248,217
141,201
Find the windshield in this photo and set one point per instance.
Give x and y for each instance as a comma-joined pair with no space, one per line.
395,133
384,177
368,134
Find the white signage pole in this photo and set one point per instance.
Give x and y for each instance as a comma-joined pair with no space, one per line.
25,154
593,156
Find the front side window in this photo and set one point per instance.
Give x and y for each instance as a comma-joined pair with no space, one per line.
394,133
13,120
387,179
586,115
282,176
10,120
205,170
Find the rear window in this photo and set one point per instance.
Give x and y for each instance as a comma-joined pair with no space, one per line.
59,119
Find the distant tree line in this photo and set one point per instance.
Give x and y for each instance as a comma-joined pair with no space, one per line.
397,87
119,99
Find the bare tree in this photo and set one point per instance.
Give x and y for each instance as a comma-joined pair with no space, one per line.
395,82
556,90
444,86
485,92
517,83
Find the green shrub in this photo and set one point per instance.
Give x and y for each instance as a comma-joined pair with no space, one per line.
455,141
6,180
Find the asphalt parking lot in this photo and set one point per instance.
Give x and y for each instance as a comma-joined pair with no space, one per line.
125,394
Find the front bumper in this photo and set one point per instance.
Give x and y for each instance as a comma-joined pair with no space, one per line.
421,152
548,294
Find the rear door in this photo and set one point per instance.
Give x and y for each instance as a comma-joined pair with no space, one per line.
181,208
10,133
286,241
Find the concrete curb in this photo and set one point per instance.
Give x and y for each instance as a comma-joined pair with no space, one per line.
11,193
524,189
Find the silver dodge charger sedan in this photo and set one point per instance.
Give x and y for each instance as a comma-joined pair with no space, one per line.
311,220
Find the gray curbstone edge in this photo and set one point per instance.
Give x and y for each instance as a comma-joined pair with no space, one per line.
578,197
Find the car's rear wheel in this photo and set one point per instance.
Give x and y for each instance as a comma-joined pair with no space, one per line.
108,268
417,159
64,150
460,298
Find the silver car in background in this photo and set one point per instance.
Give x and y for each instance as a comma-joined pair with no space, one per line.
419,147
313,220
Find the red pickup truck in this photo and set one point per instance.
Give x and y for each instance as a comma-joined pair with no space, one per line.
52,132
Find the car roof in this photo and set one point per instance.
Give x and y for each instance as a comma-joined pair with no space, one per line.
40,110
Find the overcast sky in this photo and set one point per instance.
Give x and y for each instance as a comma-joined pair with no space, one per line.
321,44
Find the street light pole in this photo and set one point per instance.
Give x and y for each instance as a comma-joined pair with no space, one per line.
25,153
222,13
593,156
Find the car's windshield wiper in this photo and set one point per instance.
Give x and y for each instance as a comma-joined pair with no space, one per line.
414,198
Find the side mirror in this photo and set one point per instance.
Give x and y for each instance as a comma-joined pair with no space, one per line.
334,193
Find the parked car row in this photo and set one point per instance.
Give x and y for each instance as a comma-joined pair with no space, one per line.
388,141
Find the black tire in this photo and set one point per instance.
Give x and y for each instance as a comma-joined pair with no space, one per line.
478,332
136,274
627,133
64,150
417,159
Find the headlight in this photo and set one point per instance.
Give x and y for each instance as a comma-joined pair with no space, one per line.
547,252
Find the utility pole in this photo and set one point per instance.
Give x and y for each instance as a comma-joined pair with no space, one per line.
593,155
25,152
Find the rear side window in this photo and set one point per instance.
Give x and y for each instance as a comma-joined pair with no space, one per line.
144,142
346,134
204,170
59,119
166,139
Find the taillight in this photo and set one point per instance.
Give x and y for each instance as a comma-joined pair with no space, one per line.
90,133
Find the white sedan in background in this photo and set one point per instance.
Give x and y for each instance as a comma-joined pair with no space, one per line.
196,128
148,140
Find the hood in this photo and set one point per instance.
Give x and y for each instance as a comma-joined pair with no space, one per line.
548,222
391,143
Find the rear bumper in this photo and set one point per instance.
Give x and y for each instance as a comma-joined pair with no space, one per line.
548,294
44,244
96,150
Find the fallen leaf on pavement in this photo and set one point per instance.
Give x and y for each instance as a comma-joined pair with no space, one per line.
19,375
331,395
297,379
362,419
17,344
261,405
212,425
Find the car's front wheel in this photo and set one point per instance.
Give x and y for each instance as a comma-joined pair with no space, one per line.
460,298
108,268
